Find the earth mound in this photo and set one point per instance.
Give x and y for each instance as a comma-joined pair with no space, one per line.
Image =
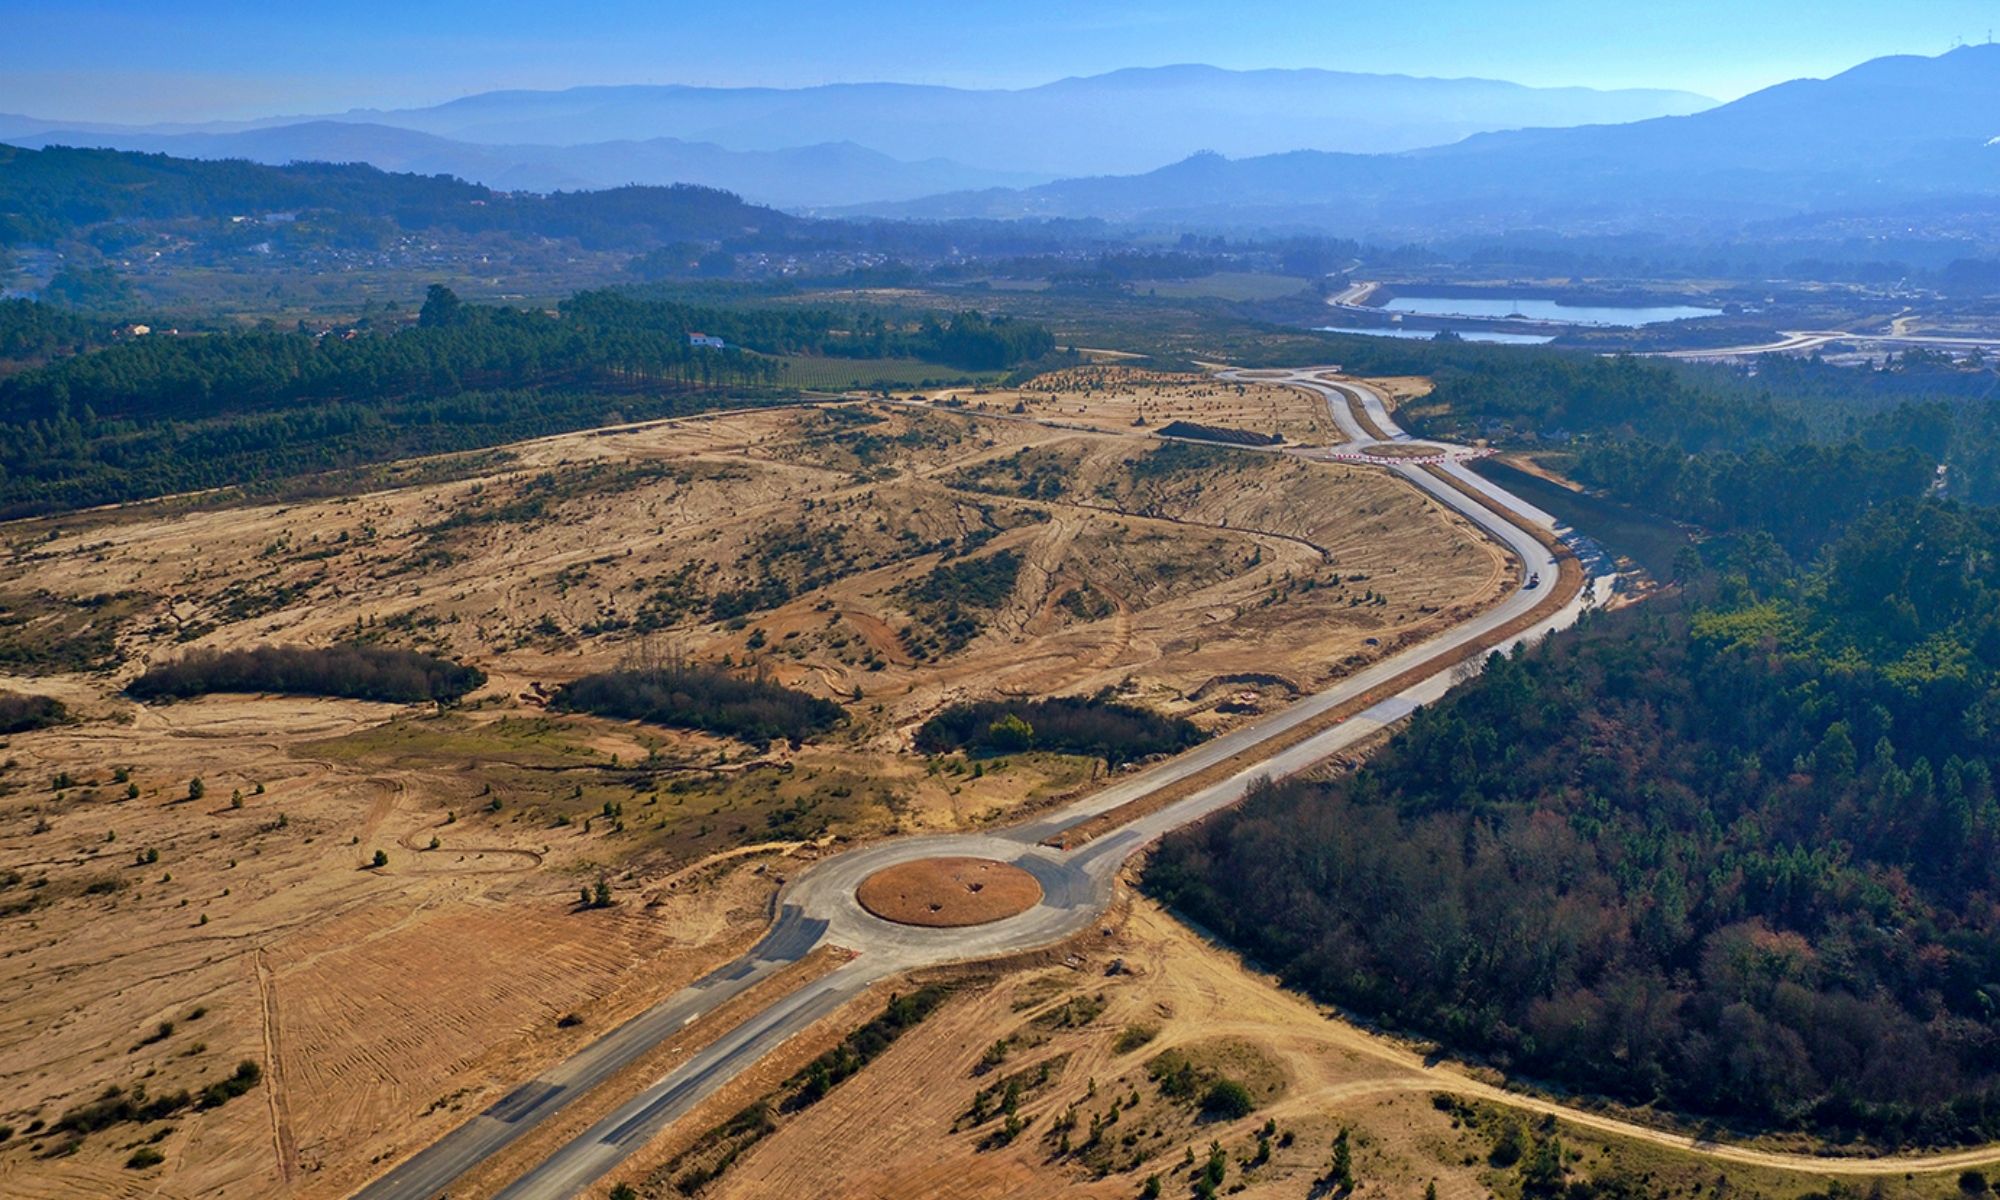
948,893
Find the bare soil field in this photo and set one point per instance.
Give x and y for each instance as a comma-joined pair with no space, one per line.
1123,399
1087,1078
947,893
191,886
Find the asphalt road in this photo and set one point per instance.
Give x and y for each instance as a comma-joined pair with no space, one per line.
818,906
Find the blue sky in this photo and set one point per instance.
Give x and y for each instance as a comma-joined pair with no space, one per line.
116,60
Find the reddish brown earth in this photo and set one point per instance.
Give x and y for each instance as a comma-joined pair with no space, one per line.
946,893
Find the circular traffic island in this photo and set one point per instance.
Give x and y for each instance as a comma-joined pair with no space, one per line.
949,893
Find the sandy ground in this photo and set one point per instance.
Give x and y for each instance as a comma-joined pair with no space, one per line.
1153,994
946,893
383,1005
1120,399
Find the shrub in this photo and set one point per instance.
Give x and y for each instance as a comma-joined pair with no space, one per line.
357,672
143,1157
1227,1100
865,1044
116,1105
1133,1037
1010,734
707,698
1218,433
247,1075
1118,733
21,712
951,600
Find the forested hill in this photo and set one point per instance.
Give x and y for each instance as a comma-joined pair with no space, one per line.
46,194
1797,448
1733,851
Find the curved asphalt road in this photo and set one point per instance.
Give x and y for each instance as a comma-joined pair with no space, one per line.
818,906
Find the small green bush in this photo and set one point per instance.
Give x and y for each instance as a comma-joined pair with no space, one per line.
1227,1100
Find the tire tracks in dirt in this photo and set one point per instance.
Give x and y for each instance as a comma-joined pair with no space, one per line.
284,1144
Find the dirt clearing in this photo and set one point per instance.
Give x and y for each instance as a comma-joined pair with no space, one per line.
188,887
948,893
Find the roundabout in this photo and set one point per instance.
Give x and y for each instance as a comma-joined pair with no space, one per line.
895,906
949,893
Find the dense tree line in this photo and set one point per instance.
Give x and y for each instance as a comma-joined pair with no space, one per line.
1802,494
1629,418
358,672
31,331
1732,851
52,465
454,348
1099,728
688,696
149,415
968,340
56,192
116,199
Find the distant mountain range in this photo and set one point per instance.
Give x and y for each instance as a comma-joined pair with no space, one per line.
1886,137
843,144
833,174
1888,132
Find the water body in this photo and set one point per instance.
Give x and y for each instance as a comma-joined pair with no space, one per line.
1469,335
1502,307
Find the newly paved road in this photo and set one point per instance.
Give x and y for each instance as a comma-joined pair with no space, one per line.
818,906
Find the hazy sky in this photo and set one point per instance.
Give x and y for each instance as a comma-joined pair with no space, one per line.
168,60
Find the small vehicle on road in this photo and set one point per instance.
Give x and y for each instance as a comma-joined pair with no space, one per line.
1535,580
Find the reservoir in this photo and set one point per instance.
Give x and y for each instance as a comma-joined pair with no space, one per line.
1469,335
1502,307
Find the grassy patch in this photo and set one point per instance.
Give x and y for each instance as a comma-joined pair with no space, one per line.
540,777
1222,1080
1224,285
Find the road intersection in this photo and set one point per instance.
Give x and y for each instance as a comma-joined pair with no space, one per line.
818,907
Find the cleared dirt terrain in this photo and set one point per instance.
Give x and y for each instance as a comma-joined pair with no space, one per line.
945,893
156,934
1120,399
1111,1055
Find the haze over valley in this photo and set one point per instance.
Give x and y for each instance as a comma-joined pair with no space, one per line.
887,601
